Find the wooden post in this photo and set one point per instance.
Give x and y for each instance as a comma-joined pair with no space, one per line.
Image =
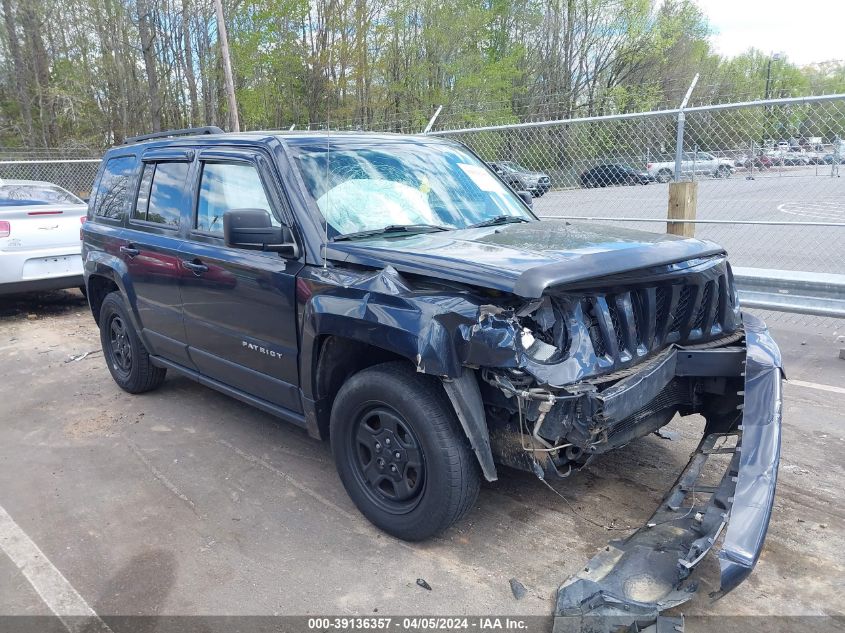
683,199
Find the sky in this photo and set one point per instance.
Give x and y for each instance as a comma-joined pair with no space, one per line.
807,31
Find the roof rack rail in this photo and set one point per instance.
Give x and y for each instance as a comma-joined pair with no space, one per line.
188,131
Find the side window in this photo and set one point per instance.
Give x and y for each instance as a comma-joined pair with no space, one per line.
113,190
161,193
140,210
225,186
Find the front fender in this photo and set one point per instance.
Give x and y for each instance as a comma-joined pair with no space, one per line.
431,330
381,310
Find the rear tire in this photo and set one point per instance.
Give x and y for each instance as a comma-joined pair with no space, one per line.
401,453
664,176
126,357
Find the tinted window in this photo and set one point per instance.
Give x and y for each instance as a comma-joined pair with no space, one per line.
164,201
114,187
227,186
37,194
140,210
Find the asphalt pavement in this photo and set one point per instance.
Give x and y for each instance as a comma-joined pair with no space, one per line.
184,501
799,195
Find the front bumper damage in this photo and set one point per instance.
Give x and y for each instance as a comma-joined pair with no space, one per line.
631,582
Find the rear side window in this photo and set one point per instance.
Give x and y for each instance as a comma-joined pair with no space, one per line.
161,193
113,192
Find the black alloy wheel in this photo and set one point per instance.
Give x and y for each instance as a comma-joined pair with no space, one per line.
120,349
388,459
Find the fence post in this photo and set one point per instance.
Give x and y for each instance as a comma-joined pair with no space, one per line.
679,146
679,139
683,198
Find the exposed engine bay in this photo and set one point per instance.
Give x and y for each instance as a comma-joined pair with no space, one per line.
603,366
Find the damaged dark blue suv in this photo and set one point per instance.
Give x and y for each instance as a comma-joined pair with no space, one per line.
394,295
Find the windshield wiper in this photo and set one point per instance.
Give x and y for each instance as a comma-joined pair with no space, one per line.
499,219
392,228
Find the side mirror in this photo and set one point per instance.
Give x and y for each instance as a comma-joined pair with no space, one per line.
527,198
252,229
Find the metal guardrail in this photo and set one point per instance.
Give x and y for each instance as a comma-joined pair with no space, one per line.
818,294
617,218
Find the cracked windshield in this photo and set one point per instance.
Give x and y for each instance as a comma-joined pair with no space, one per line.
402,185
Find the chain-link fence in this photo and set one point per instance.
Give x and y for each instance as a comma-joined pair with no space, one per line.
74,174
769,187
768,172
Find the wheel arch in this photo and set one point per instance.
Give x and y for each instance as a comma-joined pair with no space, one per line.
334,360
98,287
337,358
104,275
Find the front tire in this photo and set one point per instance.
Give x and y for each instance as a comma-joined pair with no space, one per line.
401,453
126,357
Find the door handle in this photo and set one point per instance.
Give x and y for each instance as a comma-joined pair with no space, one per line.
130,251
196,267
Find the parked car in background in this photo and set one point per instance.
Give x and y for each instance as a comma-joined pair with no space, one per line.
39,236
614,174
790,158
815,154
521,178
692,163
814,157
760,161
829,159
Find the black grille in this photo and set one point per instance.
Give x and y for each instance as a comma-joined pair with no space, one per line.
617,325
639,306
705,305
682,309
685,309
595,333
664,296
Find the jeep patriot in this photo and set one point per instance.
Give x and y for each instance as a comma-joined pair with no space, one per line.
392,295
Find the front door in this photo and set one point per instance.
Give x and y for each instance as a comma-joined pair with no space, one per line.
239,305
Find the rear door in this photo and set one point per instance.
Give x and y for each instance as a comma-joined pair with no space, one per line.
151,249
240,305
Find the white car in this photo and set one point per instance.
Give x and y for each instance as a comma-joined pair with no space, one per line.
698,163
39,237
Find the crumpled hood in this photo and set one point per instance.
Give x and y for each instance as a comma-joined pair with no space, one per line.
526,258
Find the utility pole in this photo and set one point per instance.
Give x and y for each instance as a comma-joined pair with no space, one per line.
234,123
772,58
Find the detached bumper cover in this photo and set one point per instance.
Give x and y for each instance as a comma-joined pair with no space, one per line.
759,457
632,581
